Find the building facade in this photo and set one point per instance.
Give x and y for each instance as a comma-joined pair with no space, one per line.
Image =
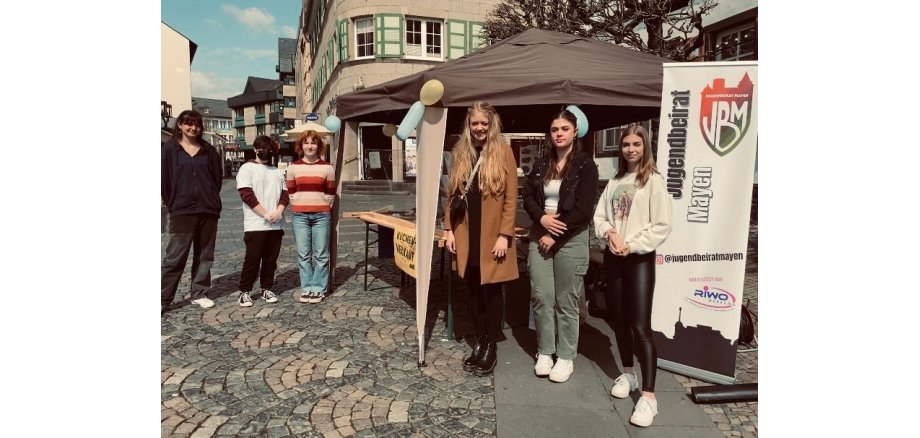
346,45
218,119
251,110
284,113
176,55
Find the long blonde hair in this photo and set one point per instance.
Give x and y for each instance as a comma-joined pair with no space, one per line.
646,165
492,174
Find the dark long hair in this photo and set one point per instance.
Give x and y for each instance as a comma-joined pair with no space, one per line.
185,117
552,154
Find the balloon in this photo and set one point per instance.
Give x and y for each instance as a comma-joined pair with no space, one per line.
389,130
333,123
431,92
410,121
581,119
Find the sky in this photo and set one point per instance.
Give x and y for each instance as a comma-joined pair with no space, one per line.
236,39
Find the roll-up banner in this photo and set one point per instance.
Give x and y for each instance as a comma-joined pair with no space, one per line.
707,144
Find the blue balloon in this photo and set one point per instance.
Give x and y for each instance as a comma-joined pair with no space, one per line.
411,120
580,118
333,123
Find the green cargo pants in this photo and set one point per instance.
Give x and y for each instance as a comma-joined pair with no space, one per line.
556,282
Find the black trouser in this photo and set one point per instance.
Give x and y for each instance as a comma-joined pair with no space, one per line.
486,304
196,232
630,285
262,247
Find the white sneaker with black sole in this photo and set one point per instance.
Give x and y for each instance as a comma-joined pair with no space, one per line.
244,300
269,296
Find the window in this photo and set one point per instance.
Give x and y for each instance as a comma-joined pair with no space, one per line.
607,140
737,44
423,38
260,110
364,38
290,102
289,80
342,38
260,130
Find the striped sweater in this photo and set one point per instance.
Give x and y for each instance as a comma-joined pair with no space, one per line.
311,186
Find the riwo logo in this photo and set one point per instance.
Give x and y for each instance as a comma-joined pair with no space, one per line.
725,114
712,298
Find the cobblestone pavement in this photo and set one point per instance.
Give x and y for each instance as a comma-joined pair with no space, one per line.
343,367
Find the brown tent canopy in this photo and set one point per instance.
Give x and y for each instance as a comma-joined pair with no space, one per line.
528,77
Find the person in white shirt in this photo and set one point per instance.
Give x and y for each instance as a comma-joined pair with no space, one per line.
264,193
633,217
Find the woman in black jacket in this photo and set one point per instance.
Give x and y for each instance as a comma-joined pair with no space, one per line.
559,197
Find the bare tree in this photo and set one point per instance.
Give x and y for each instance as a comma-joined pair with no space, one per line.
667,28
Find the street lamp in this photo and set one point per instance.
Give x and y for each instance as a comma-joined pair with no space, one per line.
165,113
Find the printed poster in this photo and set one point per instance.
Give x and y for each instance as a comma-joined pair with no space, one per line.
707,143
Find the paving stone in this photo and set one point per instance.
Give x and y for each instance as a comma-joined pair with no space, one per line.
285,369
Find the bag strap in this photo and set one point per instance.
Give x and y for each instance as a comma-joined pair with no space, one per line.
472,174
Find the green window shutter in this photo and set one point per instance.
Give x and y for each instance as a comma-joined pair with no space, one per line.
343,40
388,35
457,38
330,55
476,42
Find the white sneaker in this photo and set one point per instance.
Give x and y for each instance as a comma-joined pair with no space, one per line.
315,299
624,384
204,302
544,365
245,300
562,370
269,296
645,412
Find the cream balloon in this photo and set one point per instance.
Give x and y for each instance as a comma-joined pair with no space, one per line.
431,92
389,130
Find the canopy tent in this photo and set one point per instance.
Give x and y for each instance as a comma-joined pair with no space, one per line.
293,133
528,78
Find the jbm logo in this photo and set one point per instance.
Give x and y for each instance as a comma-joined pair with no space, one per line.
725,114
712,298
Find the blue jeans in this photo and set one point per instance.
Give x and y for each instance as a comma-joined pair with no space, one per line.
311,232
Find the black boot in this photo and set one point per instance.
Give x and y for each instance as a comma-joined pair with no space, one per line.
486,364
478,347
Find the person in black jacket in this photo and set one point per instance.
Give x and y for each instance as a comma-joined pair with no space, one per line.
190,183
559,197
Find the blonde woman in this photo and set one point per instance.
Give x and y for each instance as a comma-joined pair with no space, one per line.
483,237
633,217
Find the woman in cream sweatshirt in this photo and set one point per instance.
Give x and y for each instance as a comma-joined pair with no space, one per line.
633,217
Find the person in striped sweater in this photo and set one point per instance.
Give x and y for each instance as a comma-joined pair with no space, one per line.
311,187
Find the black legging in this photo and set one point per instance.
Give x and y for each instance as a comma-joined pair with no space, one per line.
486,304
630,285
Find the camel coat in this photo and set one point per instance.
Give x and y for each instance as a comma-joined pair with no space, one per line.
498,214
